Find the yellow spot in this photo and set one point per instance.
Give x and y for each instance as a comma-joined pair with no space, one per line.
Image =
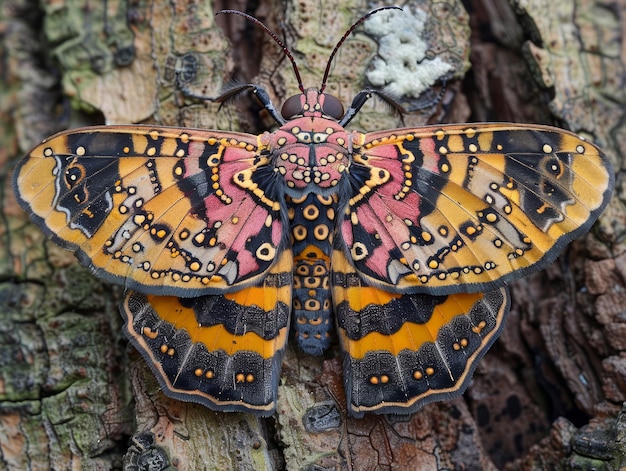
80,150
433,264
491,217
194,266
311,212
209,374
163,348
470,132
321,232
299,232
151,151
477,329
547,148
198,372
417,375
148,332
240,377
266,252
430,371
426,236
445,168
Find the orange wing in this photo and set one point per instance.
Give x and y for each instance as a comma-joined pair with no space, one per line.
161,210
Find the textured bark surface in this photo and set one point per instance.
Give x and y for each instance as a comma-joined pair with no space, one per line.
73,395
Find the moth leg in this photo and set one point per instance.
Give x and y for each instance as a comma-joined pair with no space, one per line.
259,92
361,98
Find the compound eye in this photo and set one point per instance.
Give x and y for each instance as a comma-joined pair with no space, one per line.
292,107
332,107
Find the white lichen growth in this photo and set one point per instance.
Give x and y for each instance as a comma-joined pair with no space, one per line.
402,66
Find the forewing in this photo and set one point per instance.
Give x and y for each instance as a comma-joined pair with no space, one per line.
161,210
222,351
461,208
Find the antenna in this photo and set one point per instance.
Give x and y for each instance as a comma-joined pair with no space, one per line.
345,36
287,52
274,37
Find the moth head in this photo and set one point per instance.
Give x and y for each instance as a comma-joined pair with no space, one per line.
312,102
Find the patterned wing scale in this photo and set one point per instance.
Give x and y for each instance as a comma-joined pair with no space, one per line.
398,230
223,351
161,210
402,351
456,208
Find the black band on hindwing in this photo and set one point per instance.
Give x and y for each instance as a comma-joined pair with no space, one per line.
385,319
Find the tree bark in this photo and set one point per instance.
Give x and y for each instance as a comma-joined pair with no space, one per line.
73,395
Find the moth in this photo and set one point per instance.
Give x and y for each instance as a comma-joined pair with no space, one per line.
405,238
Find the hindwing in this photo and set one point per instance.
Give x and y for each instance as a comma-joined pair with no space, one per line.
402,351
223,351
459,208
161,210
